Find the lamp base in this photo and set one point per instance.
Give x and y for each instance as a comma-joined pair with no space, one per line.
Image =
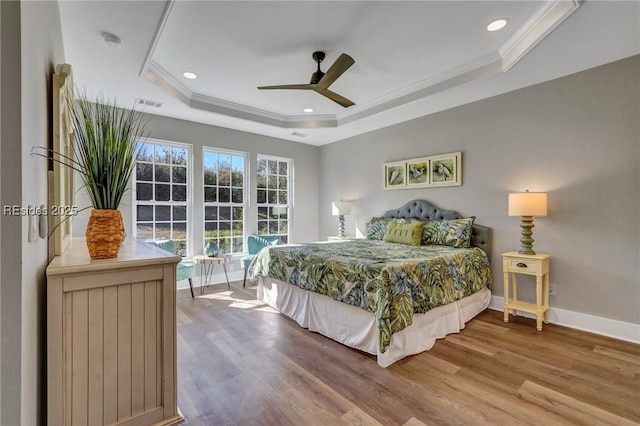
341,225
526,239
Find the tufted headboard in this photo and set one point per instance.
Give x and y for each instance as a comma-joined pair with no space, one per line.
424,210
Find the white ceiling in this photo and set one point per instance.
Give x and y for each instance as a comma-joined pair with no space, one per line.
411,58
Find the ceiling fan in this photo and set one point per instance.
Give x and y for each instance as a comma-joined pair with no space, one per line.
320,81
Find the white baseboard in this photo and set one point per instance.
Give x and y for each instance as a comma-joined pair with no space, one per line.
585,322
217,278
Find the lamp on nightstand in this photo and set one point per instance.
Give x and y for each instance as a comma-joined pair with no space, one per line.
527,204
340,209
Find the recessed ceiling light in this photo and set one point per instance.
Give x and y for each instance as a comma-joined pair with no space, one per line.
308,110
498,24
190,75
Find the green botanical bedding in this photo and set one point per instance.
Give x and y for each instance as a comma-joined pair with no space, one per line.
393,281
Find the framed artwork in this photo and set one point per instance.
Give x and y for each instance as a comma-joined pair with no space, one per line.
60,175
395,175
445,169
418,172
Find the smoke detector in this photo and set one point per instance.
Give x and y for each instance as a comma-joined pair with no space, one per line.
112,40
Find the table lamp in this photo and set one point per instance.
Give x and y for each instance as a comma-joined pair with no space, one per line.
527,204
341,208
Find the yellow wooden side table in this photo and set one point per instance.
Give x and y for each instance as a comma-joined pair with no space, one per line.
528,264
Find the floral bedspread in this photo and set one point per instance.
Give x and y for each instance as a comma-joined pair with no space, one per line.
392,281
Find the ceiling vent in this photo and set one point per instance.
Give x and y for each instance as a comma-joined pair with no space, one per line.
147,102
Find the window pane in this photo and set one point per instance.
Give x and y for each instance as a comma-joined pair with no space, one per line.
284,239
163,213
237,229
262,227
282,197
145,153
237,213
273,227
225,228
273,197
283,168
163,154
236,179
282,227
225,245
180,156
163,231
144,191
144,213
181,248
224,195
225,213
273,167
282,183
236,194
210,177
144,172
163,173
179,192
179,231
179,175
262,212
144,231
210,213
210,194
272,182
262,196
224,177
163,192
179,213
211,229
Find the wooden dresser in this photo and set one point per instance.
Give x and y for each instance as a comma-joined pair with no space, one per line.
111,337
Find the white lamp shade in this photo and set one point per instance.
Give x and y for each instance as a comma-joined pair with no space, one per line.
341,208
528,204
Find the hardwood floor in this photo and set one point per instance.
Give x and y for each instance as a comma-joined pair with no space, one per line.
242,363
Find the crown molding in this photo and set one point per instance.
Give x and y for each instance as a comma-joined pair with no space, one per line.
535,29
546,18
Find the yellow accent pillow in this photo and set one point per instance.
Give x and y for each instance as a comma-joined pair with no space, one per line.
403,233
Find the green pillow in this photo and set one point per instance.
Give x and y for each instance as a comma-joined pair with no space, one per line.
377,227
448,232
403,233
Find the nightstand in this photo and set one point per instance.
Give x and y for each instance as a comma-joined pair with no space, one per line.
536,265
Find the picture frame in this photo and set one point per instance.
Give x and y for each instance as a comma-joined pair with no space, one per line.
417,171
445,169
395,175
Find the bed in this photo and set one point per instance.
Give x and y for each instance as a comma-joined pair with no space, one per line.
385,298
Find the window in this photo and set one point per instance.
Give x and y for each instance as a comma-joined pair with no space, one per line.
224,199
162,191
274,176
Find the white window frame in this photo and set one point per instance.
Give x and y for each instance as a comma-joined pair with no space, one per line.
187,204
236,243
274,209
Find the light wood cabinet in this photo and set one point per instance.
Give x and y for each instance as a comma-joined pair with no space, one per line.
111,337
537,265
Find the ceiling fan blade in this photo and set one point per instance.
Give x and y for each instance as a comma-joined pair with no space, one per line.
335,97
339,66
290,86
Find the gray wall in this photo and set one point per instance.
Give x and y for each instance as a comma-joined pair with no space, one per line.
10,232
304,222
31,46
576,138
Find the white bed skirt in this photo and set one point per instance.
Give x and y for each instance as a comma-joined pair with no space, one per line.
356,327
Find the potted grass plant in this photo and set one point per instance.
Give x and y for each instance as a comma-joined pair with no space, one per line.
107,141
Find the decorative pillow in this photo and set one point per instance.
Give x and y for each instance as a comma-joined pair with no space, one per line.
403,232
377,227
448,232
